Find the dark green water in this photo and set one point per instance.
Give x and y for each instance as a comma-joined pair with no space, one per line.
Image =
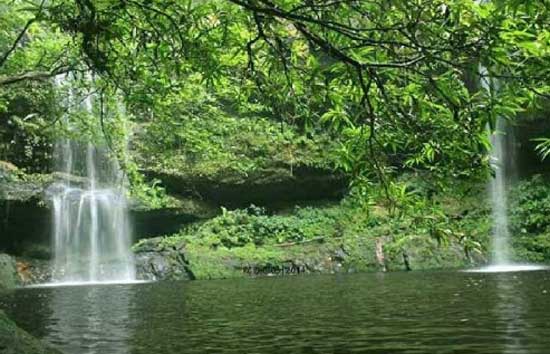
438,312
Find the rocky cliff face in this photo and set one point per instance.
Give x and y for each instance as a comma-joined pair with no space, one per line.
24,216
204,162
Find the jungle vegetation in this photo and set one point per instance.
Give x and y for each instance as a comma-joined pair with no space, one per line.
374,89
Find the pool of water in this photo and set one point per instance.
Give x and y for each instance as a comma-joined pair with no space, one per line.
432,312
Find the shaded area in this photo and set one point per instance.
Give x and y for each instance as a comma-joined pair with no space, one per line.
25,226
151,223
25,229
265,188
527,160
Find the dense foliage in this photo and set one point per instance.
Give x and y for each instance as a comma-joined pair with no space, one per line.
378,89
397,80
530,219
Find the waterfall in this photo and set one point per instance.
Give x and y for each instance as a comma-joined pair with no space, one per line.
500,155
503,166
91,228
498,188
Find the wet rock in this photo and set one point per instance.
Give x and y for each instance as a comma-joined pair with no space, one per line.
23,271
7,167
21,190
340,254
23,215
14,340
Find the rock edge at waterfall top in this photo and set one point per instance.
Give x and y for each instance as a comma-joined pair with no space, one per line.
510,267
87,283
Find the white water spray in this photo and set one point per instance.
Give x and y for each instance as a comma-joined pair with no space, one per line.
91,229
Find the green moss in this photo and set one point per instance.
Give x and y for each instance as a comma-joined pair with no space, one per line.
208,264
251,260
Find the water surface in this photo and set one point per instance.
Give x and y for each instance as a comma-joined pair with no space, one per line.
432,312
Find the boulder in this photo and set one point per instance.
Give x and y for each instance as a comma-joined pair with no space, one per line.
14,340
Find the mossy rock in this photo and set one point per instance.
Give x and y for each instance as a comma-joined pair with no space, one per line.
8,272
251,261
15,185
156,260
14,340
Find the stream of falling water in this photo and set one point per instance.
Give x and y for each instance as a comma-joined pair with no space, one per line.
502,163
91,229
498,187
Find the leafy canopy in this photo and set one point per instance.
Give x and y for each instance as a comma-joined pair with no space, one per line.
397,81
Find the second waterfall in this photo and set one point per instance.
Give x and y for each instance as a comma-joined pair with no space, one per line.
91,228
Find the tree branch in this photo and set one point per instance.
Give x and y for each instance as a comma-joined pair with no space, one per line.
33,76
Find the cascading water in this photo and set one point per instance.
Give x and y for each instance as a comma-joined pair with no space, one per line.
91,229
502,163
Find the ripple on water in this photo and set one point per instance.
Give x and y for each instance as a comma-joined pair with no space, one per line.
405,313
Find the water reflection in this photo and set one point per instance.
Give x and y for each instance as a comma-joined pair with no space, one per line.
521,310
98,323
511,308
406,313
